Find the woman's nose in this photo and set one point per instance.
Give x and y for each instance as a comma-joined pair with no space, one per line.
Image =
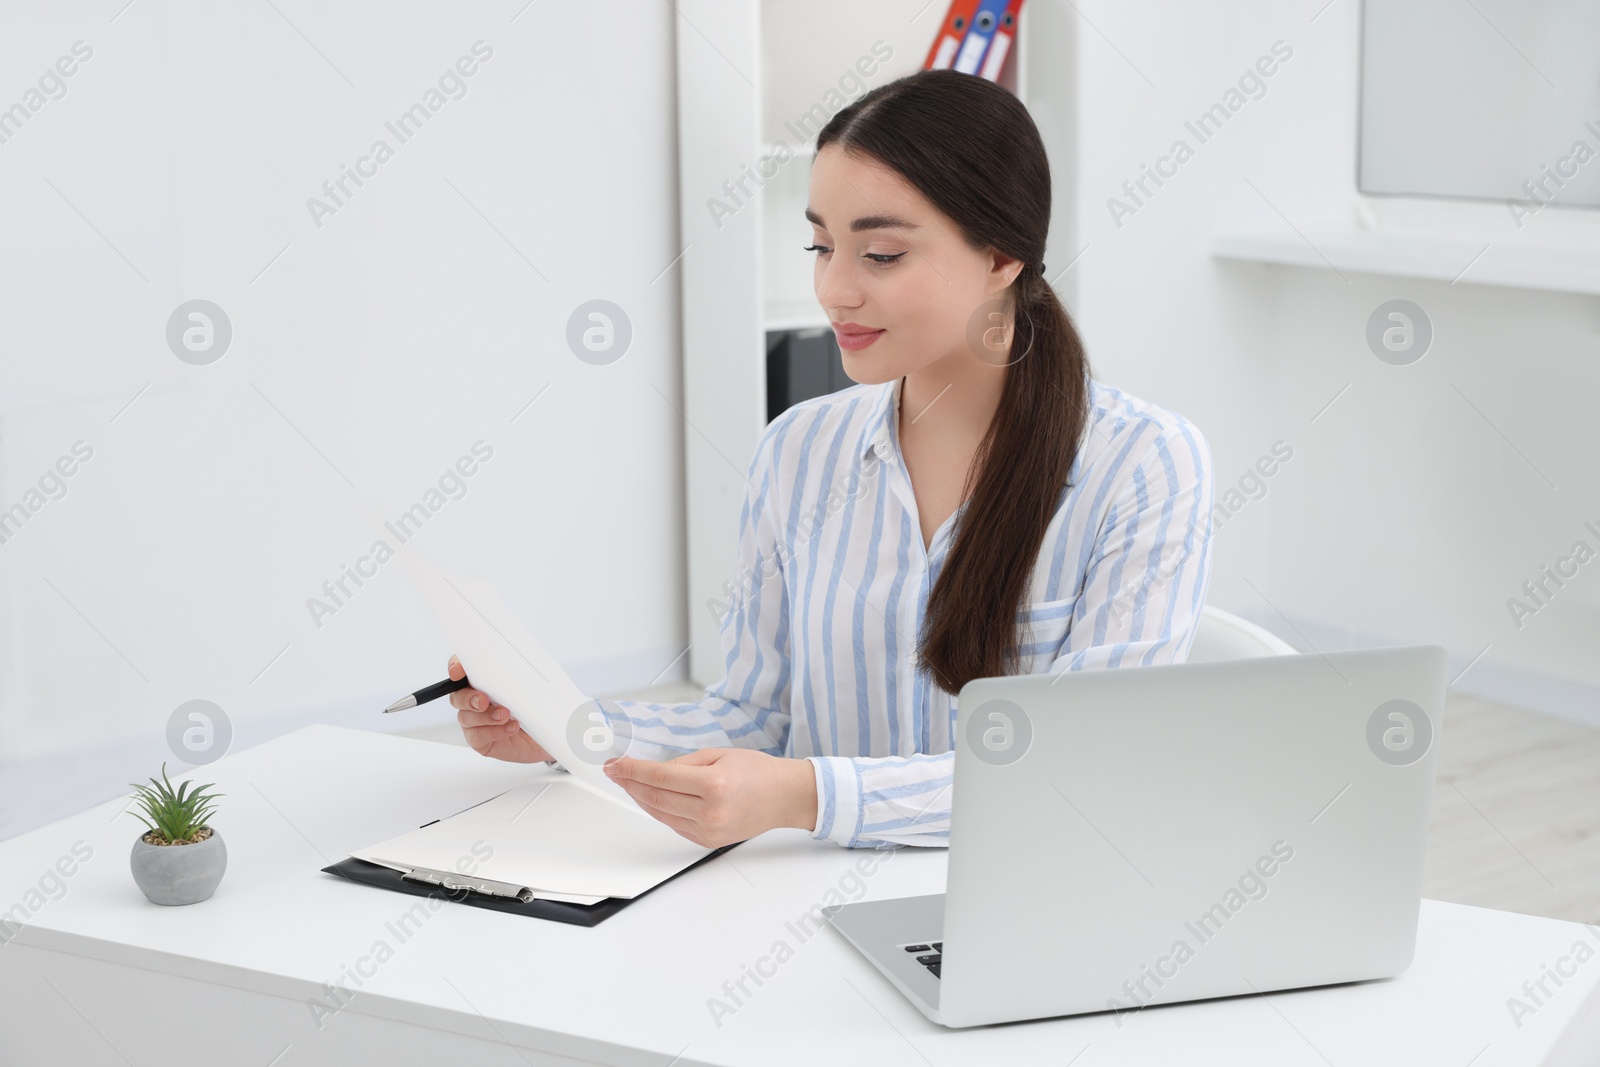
836,285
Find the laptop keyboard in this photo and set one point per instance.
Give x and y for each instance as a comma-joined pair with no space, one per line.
929,953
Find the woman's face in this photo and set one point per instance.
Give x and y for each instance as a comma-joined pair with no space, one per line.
892,263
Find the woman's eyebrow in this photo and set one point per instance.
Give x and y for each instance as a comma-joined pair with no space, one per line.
867,222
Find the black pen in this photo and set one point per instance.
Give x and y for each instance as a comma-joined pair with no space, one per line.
432,692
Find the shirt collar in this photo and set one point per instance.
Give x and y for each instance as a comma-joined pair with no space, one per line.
879,433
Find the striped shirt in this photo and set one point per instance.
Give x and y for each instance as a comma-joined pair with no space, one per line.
823,617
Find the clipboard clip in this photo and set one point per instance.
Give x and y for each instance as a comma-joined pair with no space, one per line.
452,880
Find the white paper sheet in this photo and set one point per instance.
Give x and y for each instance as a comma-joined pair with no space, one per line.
553,836
504,659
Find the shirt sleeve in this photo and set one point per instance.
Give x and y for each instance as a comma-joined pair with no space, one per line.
749,707
1142,592
867,801
1145,584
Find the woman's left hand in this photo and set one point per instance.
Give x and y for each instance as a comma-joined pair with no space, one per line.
716,796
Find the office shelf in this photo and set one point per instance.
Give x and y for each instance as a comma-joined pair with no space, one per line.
1465,260
793,315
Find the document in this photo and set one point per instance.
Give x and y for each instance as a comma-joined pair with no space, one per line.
504,659
553,837
572,835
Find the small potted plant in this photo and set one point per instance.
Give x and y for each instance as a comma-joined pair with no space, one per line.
180,859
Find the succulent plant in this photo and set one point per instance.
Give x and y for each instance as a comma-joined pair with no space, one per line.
176,817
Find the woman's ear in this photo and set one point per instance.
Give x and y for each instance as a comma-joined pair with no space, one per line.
1003,270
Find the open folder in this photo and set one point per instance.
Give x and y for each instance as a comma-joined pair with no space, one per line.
568,844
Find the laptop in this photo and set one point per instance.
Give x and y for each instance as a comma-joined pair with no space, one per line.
1133,837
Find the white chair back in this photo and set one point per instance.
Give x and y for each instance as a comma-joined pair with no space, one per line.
1222,635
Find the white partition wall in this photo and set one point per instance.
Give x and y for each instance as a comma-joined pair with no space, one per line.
724,380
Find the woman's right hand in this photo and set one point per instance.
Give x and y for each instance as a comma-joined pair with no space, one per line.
490,728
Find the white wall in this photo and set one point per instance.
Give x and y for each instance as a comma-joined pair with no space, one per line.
418,319
1404,514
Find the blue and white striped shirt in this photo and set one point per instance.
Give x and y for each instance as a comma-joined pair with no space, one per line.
833,584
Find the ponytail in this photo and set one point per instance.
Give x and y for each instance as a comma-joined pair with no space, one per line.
1014,487
972,149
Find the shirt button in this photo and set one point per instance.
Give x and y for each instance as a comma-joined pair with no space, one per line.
882,449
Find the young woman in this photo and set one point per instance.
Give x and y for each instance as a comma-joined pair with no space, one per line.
976,506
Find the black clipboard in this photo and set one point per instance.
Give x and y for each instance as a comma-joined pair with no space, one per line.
561,911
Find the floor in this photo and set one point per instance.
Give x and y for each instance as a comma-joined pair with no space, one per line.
1515,823
1516,813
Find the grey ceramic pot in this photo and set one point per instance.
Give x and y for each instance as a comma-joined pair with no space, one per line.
179,874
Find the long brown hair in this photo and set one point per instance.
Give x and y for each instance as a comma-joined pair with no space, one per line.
971,148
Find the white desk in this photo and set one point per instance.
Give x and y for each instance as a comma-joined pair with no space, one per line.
100,976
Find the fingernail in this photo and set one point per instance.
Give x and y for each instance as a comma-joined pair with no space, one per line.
611,765
477,702
499,713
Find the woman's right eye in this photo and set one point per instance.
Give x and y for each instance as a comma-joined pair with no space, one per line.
819,249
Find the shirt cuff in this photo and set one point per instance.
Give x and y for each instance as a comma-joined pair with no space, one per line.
838,799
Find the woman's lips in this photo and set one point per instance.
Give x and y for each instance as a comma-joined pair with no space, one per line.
853,338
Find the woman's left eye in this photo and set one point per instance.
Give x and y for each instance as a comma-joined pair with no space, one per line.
878,257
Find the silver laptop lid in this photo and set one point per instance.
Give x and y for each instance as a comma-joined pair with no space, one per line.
1121,838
